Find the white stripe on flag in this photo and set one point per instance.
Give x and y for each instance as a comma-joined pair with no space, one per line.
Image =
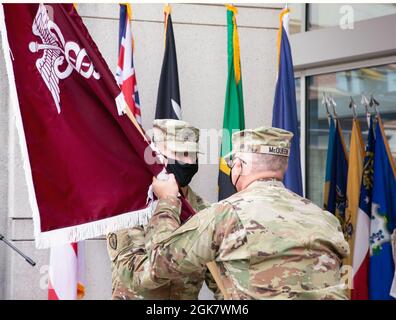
176,109
285,22
66,269
361,239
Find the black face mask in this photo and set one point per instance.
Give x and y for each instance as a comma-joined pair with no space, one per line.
234,185
183,171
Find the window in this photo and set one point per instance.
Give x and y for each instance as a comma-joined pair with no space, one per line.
297,83
296,17
330,14
320,16
380,81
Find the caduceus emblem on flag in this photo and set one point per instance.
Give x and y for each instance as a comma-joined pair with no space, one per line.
60,57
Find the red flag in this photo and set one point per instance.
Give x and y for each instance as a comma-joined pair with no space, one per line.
85,165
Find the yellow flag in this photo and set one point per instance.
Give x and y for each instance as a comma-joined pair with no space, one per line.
355,171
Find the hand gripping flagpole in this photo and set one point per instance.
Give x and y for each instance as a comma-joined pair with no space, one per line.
8,243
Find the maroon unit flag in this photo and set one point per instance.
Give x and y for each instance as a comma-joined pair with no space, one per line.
84,163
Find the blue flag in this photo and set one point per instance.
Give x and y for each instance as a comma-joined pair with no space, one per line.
383,219
339,175
285,111
329,160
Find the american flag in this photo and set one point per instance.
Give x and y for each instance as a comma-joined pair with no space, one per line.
125,74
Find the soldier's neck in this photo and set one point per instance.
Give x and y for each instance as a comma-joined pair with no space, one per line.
249,179
185,191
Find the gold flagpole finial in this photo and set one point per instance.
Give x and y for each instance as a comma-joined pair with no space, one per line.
167,12
235,43
284,11
167,9
232,8
129,9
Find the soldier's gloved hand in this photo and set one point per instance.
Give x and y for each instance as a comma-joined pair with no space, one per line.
165,188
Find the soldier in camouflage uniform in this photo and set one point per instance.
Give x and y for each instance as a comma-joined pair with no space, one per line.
128,245
267,242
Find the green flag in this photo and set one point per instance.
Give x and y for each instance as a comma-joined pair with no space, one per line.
234,119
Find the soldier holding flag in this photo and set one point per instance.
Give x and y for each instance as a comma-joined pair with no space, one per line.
268,242
178,142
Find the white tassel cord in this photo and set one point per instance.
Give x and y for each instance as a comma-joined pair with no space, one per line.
95,229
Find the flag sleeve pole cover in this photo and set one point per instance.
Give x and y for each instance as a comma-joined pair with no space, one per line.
81,159
285,110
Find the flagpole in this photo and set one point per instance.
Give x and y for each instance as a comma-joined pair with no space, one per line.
28,260
134,121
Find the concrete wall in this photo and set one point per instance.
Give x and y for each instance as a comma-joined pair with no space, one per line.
200,32
4,125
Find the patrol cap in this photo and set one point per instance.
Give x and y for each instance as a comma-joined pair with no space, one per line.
265,140
177,135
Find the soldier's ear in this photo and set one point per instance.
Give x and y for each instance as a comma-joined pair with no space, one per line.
237,165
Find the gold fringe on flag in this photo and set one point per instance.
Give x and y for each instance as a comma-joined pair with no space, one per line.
283,12
129,11
167,12
80,291
235,41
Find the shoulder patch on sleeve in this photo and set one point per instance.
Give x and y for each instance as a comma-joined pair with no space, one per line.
113,241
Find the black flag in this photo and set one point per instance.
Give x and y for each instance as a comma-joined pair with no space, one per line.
168,100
